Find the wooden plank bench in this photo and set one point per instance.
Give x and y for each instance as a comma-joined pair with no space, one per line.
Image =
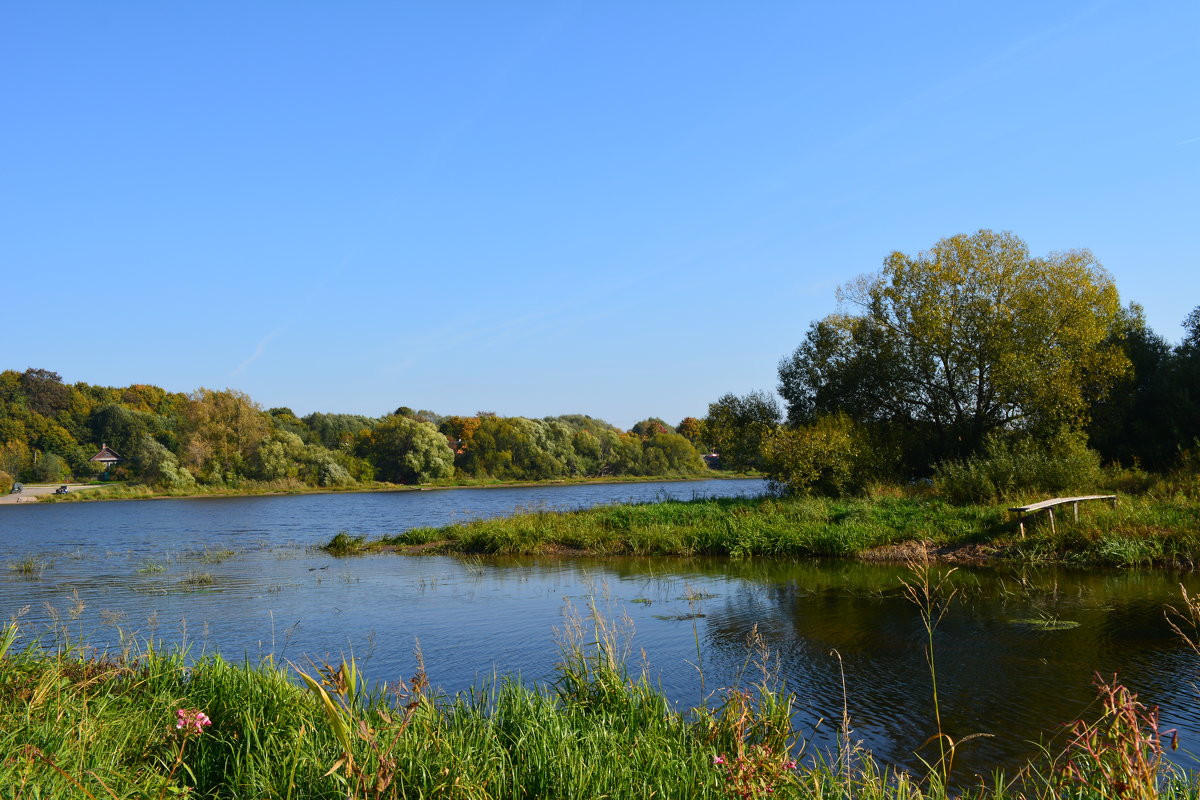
1049,505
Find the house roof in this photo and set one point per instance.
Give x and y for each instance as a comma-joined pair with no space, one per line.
106,455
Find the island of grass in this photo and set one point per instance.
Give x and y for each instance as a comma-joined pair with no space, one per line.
1138,531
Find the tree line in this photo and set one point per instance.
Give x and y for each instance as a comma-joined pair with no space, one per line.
50,429
972,360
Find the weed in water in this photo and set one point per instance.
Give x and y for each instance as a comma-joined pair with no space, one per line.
933,595
29,567
215,556
196,579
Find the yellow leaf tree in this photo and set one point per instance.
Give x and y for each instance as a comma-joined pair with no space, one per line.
971,336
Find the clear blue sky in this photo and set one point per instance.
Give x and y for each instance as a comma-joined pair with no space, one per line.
613,208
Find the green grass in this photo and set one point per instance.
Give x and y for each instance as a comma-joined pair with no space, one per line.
29,567
1139,531
78,724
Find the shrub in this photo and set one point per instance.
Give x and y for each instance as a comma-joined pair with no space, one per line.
828,457
1010,465
6,482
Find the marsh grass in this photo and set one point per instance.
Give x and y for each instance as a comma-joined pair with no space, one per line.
29,567
197,579
1140,531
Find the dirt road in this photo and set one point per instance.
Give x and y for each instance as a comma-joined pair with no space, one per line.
31,493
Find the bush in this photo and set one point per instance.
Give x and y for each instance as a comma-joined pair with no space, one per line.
6,482
50,468
828,457
1010,465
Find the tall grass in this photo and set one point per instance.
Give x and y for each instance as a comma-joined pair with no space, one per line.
75,723
725,526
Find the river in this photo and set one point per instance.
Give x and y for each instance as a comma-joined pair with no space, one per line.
1016,650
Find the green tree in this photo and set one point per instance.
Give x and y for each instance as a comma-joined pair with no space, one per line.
1134,423
337,431
44,391
828,457
152,463
671,454
972,336
738,428
406,450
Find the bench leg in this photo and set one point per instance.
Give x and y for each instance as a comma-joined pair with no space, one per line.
1051,512
1076,511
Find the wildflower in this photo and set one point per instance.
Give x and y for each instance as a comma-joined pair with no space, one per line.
789,764
718,760
191,720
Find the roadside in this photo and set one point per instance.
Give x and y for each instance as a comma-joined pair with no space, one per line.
31,492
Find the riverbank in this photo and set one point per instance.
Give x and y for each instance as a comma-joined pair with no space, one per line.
1138,531
275,488
75,723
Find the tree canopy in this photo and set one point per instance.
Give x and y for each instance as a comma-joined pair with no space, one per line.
971,336
49,430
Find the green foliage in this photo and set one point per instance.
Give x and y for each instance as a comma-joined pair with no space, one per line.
670,454
337,431
6,482
1009,465
970,337
407,450
50,468
828,457
214,440
154,464
738,429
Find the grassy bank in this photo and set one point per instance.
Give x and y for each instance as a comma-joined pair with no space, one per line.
1139,531
77,724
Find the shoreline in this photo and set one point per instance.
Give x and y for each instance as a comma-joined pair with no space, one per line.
150,494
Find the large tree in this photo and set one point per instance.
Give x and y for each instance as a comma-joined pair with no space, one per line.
971,336
406,450
738,427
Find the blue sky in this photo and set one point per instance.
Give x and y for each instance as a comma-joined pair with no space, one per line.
613,208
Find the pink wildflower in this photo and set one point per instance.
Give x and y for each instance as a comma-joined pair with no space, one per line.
789,765
191,720
718,760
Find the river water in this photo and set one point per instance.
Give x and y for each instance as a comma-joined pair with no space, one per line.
1016,651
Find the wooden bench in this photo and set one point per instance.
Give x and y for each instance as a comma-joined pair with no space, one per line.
1049,505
